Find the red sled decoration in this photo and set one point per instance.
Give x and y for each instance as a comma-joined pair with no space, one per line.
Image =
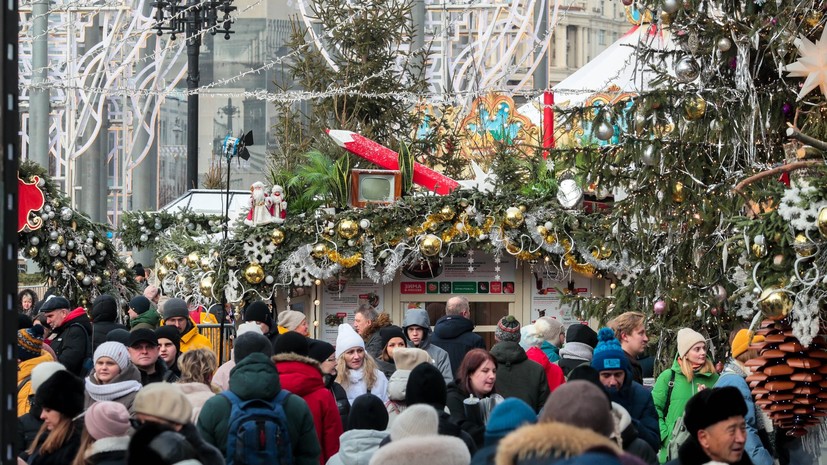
30,199
388,159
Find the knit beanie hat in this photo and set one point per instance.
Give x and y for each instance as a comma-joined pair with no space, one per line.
114,350
175,308
258,311
248,326
426,386
171,333
63,392
104,308
140,304
508,329
151,292
250,343
347,339
742,340
118,335
165,401
416,420
106,419
548,328
44,371
609,355
687,338
23,321
507,416
291,319
389,332
408,358
367,412
710,406
54,302
29,342
582,404
320,350
291,342
581,333
416,450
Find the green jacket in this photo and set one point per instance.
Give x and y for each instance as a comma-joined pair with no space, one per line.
149,320
681,392
256,377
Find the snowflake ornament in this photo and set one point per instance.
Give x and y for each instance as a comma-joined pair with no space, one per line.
811,64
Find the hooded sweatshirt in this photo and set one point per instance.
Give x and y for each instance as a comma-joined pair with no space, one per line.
357,447
439,356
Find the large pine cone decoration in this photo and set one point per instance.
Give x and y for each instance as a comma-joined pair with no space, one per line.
789,381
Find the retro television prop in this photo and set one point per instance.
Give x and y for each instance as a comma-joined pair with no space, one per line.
375,187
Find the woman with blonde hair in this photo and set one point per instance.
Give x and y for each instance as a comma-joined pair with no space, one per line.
357,371
690,373
197,368
58,440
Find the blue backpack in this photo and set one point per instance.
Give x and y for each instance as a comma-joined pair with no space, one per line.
257,432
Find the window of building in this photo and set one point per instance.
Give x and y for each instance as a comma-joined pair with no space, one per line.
601,37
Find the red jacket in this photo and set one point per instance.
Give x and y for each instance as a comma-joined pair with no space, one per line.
554,374
303,376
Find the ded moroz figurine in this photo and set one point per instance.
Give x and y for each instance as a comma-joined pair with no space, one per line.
260,206
278,205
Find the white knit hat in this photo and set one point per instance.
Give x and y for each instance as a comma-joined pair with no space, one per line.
416,450
416,420
250,326
347,339
291,319
44,371
114,350
687,338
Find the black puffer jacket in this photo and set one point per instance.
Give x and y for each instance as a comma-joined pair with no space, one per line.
72,342
63,455
162,374
27,427
104,315
340,395
455,334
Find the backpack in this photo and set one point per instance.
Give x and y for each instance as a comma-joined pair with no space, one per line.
257,432
679,435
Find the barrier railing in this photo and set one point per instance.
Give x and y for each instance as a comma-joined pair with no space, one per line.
213,333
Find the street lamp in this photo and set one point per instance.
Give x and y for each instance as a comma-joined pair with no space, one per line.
191,17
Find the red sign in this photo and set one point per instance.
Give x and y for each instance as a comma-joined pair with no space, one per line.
496,287
413,288
30,199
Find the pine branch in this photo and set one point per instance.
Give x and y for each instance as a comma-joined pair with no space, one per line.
739,188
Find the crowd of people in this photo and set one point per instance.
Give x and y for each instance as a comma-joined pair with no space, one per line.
94,391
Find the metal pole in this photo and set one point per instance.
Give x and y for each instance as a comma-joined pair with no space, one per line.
541,71
10,154
88,173
193,76
39,105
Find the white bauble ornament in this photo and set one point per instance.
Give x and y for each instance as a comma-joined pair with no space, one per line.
569,194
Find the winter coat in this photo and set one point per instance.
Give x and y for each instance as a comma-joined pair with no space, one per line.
27,427
221,378
691,453
554,374
24,381
637,400
637,370
552,443
396,404
108,451
256,377
63,455
119,390
104,316
150,319
191,339
632,444
551,351
303,377
198,394
574,354
357,385
162,374
72,341
438,355
339,395
681,392
358,446
455,334
387,368
373,344
519,377
734,375
455,398
101,329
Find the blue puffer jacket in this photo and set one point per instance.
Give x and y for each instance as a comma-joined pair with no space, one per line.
733,375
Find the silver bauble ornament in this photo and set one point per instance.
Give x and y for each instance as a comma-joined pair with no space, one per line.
34,240
687,69
604,131
671,6
53,235
724,44
54,250
86,280
66,213
650,156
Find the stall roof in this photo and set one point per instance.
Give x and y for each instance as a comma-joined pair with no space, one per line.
210,202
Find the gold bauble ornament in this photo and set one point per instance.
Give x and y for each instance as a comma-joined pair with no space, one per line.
277,236
181,279
60,240
759,250
694,108
678,192
430,245
348,229
408,231
106,273
162,272
100,245
513,217
522,208
319,250
169,262
58,265
97,280
121,273
447,213
33,251
193,259
205,264
80,275
205,285
254,273
821,222
803,247
775,303
542,231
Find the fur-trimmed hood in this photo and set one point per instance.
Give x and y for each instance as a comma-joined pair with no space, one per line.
551,440
291,357
382,320
299,374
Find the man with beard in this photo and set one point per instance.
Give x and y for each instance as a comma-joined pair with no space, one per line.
260,202
177,314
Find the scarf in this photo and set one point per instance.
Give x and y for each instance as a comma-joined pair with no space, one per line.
111,391
577,351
